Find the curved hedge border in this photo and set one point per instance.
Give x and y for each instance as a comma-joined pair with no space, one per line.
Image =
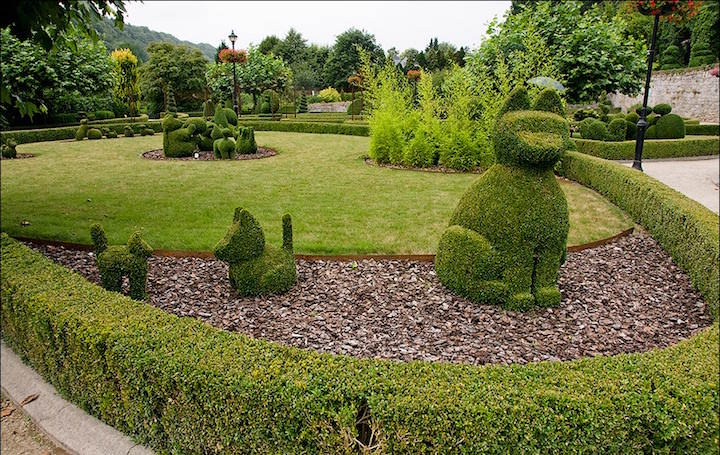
703,130
663,148
310,127
68,132
685,228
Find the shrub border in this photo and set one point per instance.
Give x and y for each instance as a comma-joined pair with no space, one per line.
180,385
663,148
68,132
708,129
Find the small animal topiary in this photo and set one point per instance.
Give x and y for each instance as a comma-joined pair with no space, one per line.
82,131
257,268
8,149
94,133
224,148
112,134
147,131
507,237
178,140
128,131
205,140
246,144
116,262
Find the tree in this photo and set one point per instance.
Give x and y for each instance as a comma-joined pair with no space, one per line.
437,55
344,59
126,76
269,45
292,48
219,49
179,66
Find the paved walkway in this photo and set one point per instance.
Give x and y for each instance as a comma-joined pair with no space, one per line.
695,178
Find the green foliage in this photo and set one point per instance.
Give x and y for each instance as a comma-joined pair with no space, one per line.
81,132
94,133
69,132
176,66
630,129
114,262
617,130
517,100
246,141
273,102
104,115
632,116
687,230
266,397
8,149
671,58
302,105
208,108
705,42
703,130
689,146
224,147
170,104
329,95
549,100
484,257
355,107
256,269
591,128
582,114
147,132
111,134
179,138
662,109
670,126
126,78
344,58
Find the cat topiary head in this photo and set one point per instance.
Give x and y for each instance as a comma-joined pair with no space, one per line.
530,138
244,240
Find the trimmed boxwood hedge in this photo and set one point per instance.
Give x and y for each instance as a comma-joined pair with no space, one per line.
309,127
702,130
182,386
68,132
666,148
685,228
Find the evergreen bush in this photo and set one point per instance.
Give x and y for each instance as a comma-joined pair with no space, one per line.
671,58
246,144
591,128
116,262
670,126
224,148
208,108
617,130
302,105
549,100
662,109
94,133
8,149
82,131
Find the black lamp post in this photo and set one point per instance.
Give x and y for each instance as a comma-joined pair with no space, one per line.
642,124
232,38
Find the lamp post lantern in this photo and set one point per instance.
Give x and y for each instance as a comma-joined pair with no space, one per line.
232,38
642,124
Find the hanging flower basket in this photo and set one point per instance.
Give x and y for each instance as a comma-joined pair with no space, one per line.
413,75
230,56
670,10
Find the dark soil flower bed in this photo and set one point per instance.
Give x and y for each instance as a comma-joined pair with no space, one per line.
436,168
19,156
262,152
626,296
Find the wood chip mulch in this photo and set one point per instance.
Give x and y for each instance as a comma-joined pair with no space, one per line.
262,152
20,156
436,168
627,296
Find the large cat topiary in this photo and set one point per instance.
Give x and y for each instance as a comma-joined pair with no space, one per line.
178,139
507,237
245,144
257,268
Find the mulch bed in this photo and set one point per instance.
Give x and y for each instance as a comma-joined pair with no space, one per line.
627,296
436,168
262,152
19,156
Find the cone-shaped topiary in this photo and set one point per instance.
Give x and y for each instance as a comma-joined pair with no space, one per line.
82,131
549,100
171,105
507,237
246,144
178,139
115,262
94,133
256,268
670,126
302,105
8,149
700,54
671,58
208,109
224,148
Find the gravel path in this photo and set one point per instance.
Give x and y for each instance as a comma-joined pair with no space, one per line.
626,296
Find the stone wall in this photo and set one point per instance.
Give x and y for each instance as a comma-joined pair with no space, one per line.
340,106
691,93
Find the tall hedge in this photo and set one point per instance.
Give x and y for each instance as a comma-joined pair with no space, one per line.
669,148
182,386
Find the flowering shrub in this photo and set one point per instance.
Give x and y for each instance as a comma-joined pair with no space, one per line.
354,80
671,10
413,75
329,95
230,56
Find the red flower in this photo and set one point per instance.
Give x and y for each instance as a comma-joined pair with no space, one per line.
229,56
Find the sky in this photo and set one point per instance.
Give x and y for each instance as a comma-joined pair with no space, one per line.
395,24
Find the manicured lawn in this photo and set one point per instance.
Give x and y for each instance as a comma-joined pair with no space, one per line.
338,203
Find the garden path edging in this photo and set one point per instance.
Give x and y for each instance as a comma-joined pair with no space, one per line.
314,257
57,418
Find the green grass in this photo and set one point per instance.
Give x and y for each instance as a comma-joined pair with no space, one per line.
339,204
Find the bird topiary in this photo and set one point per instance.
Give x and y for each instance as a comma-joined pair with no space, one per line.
224,148
670,126
81,132
245,143
114,262
507,236
94,133
254,267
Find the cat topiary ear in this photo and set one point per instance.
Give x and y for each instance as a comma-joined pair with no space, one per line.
549,100
517,100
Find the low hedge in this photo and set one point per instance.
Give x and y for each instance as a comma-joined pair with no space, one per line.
667,148
68,132
309,127
685,228
702,130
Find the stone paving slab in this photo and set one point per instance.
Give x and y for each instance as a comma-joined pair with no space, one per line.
66,424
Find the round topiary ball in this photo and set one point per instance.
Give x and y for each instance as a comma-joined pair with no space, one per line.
670,126
617,130
632,117
630,130
94,133
593,129
638,110
662,109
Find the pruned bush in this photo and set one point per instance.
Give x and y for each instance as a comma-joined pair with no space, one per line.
329,95
147,132
111,134
356,107
8,149
224,148
701,54
617,130
208,108
549,100
116,262
591,128
671,58
302,104
676,148
582,114
662,109
82,131
632,117
178,137
104,115
128,131
703,130
670,126
94,133
630,130
245,143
